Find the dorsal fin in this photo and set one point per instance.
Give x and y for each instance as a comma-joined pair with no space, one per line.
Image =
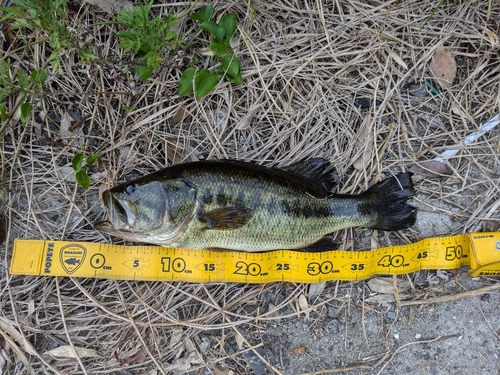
318,170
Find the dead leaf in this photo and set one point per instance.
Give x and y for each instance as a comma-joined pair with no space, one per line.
176,151
10,338
374,243
491,226
8,329
431,168
299,350
65,126
316,289
443,67
67,351
366,308
189,345
182,365
138,357
384,285
66,173
398,59
303,303
239,341
289,286
247,119
364,145
179,114
110,6
493,37
381,299
176,336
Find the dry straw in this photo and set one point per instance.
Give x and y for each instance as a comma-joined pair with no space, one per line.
304,64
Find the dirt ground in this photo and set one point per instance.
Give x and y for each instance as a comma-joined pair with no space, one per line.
349,81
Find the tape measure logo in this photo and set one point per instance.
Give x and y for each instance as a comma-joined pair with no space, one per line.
72,257
497,245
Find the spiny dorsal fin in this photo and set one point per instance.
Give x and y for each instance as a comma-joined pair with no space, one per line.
226,218
318,170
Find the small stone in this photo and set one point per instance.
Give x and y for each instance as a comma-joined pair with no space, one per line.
258,366
486,297
332,312
418,336
333,326
396,336
391,315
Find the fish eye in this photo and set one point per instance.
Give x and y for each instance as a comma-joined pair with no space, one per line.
129,189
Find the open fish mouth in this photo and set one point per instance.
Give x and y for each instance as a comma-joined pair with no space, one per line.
120,213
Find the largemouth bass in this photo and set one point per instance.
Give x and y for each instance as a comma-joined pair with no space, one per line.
241,206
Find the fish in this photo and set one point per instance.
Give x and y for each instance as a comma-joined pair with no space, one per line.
236,205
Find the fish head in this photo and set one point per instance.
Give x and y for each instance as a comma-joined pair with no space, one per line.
147,211
135,207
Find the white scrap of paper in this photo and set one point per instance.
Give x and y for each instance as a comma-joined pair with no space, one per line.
471,138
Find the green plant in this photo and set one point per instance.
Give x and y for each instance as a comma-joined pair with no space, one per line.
24,85
147,37
203,82
49,16
436,8
150,38
81,176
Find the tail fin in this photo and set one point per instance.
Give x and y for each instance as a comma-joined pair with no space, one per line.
388,199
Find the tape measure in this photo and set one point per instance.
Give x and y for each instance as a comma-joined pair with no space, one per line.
480,251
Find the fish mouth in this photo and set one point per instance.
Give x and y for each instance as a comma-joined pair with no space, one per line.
120,213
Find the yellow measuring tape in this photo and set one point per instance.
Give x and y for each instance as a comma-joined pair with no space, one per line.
480,251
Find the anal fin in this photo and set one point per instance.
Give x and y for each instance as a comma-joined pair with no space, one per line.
324,244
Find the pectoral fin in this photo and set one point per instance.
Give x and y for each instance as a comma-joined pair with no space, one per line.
226,218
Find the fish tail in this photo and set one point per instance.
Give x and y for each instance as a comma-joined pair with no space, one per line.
387,200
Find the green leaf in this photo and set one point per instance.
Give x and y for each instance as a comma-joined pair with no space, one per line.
204,14
92,158
229,22
238,80
26,109
219,47
77,161
23,80
82,178
213,29
3,112
186,81
39,76
144,72
204,83
130,41
230,64
4,93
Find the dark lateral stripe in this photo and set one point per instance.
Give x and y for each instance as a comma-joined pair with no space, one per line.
296,209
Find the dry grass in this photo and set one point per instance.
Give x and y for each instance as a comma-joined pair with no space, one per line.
303,65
